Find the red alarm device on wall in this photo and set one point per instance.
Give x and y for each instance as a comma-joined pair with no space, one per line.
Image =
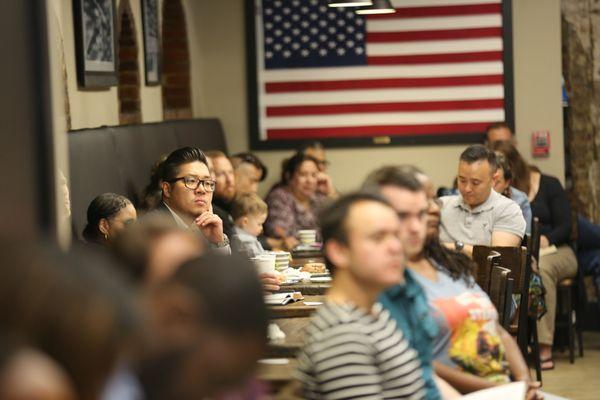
540,143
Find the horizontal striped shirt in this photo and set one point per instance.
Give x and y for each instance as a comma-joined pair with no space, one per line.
351,354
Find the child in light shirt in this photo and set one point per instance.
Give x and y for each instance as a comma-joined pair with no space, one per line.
249,213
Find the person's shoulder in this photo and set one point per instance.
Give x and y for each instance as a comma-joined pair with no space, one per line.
550,182
451,200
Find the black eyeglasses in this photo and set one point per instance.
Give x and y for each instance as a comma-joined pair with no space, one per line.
193,182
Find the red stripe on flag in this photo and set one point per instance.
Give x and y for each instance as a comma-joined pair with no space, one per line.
319,86
369,131
441,11
447,34
284,111
436,58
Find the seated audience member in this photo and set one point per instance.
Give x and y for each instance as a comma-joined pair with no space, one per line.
225,189
549,203
479,215
463,314
210,323
502,185
352,347
249,172
499,132
153,191
293,201
73,307
187,190
324,183
27,374
249,213
107,216
406,301
154,247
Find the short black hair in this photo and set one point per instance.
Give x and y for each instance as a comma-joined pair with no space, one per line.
333,217
498,125
250,158
401,176
170,167
479,152
229,289
312,144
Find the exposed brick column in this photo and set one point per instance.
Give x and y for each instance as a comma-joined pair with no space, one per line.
581,68
129,74
177,98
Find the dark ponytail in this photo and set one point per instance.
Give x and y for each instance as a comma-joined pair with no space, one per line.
106,205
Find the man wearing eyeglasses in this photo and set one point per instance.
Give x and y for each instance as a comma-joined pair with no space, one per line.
187,191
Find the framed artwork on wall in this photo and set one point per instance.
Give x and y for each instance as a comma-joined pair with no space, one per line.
151,41
430,73
95,42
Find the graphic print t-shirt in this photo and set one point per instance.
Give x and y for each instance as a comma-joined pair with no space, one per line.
467,320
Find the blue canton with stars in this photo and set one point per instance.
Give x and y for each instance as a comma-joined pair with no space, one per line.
308,33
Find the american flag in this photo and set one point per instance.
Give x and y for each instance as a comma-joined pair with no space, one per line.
434,68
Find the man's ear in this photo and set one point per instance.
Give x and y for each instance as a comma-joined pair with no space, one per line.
104,226
166,189
338,254
496,175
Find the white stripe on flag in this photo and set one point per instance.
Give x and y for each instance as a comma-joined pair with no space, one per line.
393,118
427,3
382,72
384,95
435,23
434,47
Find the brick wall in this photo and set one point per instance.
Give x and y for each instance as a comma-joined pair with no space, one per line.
581,69
129,71
177,103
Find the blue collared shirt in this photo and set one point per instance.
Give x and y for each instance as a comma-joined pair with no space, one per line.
408,305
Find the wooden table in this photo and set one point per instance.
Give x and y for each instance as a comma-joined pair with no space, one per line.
279,377
294,329
297,309
307,288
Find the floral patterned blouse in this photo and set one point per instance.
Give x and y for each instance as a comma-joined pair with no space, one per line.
286,215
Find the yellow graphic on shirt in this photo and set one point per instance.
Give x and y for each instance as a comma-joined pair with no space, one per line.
475,344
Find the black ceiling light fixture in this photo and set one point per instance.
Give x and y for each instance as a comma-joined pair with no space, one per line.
350,3
378,7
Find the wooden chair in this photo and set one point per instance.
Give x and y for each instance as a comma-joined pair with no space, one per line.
518,260
570,304
501,285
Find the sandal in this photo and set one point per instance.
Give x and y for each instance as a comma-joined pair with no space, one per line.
549,364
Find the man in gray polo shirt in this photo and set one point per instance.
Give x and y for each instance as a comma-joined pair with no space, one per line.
479,215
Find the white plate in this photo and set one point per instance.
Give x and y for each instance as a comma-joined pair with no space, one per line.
319,279
274,361
312,303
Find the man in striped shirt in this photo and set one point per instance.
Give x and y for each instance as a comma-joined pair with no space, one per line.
353,349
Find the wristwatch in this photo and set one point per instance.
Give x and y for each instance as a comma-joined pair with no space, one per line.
458,245
223,243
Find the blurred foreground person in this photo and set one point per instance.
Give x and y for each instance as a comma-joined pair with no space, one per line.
153,248
27,374
210,325
107,216
73,307
352,348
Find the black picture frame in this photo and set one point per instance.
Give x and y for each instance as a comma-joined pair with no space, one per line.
362,142
152,43
96,43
